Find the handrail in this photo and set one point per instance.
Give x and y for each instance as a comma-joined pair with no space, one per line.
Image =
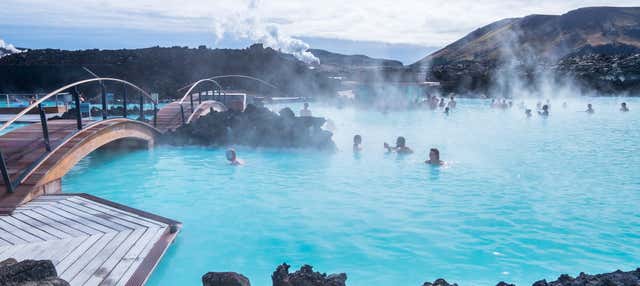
195,84
238,76
9,184
59,90
200,106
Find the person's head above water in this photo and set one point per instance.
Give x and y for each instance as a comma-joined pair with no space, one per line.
401,142
231,155
357,140
306,105
623,107
434,157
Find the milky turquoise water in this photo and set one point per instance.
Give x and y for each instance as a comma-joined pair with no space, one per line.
520,200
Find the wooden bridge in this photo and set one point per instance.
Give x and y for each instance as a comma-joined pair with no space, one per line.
34,158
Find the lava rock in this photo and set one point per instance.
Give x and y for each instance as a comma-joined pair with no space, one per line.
306,277
225,279
29,272
255,127
439,282
502,283
616,278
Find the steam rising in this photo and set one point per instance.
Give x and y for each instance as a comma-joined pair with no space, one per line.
7,49
249,24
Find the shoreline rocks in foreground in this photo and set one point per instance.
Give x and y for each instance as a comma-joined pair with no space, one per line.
29,272
307,277
255,127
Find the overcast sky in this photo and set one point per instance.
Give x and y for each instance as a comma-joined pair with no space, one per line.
427,23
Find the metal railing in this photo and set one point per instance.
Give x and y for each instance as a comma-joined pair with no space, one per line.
11,185
189,94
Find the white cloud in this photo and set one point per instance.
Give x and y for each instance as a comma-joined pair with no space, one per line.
426,22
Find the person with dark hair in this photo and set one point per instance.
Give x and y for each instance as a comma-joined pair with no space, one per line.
590,109
434,158
233,158
446,110
623,107
357,142
305,112
452,103
527,113
400,148
545,110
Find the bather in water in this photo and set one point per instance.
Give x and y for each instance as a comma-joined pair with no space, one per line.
590,109
434,158
545,110
357,142
623,107
527,113
401,147
233,158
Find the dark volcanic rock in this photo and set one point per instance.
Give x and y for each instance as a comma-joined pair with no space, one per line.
306,277
439,282
617,278
29,272
502,283
257,127
225,279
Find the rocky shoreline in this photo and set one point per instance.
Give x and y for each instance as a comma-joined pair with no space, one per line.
307,277
29,273
255,127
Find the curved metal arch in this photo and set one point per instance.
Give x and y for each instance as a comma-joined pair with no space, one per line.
59,90
194,85
247,77
202,106
236,76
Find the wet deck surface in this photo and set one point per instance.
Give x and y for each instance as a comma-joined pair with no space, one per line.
91,241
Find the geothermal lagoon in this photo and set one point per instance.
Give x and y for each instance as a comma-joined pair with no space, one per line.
520,199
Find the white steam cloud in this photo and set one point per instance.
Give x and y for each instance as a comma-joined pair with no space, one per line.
7,49
248,23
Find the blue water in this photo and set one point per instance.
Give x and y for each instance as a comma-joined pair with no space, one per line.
520,199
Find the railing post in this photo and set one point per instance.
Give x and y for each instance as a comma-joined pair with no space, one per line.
199,98
76,97
5,174
141,107
155,114
182,114
45,129
104,101
191,96
124,101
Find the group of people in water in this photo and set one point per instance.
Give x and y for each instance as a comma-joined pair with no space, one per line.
401,148
434,103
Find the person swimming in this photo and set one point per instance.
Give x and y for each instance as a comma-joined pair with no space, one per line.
623,107
527,113
357,142
434,158
401,146
233,158
305,112
545,111
590,109
452,103
442,103
446,110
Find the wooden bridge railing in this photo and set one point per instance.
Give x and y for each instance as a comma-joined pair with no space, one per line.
10,185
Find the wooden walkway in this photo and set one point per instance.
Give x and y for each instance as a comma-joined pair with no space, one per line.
89,240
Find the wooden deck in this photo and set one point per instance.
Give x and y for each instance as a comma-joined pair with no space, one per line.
91,241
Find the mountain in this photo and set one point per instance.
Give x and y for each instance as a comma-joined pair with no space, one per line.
162,70
532,43
353,61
